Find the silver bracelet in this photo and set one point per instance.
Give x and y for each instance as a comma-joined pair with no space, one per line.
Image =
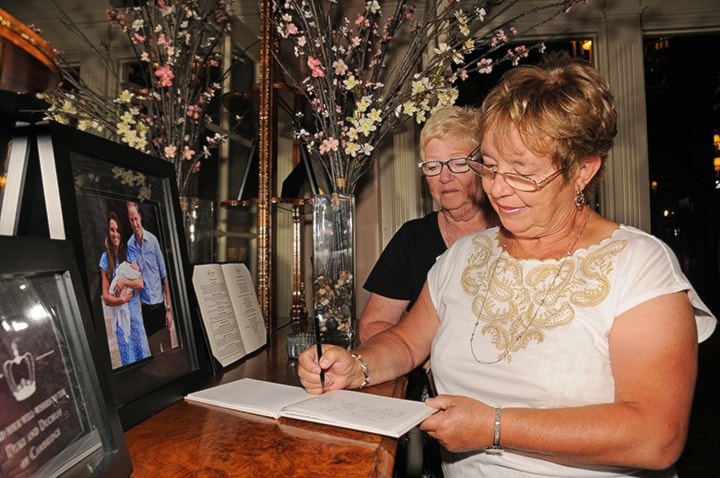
496,431
365,369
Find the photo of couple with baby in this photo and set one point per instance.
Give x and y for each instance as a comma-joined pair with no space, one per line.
133,278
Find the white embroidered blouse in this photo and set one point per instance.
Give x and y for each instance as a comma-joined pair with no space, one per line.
539,334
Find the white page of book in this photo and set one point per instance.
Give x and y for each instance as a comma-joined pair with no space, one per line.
251,396
245,302
218,314
361,411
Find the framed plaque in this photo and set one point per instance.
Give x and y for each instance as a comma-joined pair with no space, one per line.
58,417
120,209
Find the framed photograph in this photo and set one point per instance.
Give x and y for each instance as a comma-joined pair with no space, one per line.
58,416
120,209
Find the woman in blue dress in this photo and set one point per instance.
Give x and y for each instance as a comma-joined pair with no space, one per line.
121,284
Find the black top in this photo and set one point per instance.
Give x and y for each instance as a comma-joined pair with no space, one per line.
402,268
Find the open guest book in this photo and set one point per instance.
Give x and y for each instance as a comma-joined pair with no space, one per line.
230,310
365,412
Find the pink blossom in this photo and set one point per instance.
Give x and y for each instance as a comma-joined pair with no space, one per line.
362,21
291,29
316,66
317,104
138,38
329,144
485,66
522,51
194,111
340,67
188,153
165,75
196,167
463,74
170,151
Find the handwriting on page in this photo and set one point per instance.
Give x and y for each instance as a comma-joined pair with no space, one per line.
342,407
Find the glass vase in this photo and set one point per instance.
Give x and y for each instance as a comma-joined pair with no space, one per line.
199,220
334,267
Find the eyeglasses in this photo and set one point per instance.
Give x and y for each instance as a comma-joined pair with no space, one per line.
516,181
455,165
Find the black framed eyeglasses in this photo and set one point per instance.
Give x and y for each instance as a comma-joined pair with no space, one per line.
455,165
516,181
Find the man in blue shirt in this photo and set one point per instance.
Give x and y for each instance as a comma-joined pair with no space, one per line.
155,294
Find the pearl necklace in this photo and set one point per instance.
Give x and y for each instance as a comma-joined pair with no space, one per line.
566,256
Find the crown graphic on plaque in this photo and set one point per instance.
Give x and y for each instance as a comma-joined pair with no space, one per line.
20,374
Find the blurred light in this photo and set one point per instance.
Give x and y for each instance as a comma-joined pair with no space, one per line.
14,325
37,312
587,45
661,44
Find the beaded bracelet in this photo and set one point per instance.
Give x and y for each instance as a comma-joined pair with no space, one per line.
365,369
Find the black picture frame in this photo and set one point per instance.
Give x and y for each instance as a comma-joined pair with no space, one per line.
58,415
83,177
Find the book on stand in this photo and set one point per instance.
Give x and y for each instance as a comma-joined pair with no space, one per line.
229,309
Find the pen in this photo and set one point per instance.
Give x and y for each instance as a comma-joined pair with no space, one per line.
318,344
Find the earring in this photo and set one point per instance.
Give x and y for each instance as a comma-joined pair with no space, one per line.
580,199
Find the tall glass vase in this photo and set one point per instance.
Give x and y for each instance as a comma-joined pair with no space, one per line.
334,267
199,221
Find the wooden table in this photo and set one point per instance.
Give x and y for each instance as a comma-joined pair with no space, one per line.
187,440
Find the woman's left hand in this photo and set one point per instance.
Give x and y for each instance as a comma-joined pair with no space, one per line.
461,424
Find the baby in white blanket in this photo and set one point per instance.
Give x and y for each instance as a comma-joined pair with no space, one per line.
124,271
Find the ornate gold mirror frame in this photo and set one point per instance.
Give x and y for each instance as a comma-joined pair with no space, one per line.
266,152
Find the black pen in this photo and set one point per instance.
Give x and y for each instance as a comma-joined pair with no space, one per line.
318,344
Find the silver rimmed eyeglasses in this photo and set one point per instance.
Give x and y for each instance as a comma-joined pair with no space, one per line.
516,181
455,165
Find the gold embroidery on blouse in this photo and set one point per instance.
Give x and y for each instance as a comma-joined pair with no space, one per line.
514,299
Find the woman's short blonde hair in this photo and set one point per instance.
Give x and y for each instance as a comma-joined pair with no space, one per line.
454,124
561,107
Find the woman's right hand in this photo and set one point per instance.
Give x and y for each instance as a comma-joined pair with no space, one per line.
340,369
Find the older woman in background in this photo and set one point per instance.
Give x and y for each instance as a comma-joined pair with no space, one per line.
448,140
